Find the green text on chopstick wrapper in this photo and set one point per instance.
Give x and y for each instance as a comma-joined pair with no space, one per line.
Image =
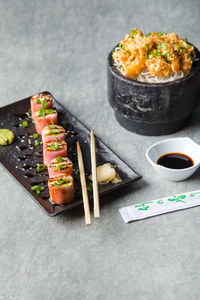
160,206
144,206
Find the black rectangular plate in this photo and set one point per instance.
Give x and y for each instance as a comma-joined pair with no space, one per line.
21,158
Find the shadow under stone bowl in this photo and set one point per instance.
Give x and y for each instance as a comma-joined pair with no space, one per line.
153,108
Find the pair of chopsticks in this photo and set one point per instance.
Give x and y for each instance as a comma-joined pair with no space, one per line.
94,181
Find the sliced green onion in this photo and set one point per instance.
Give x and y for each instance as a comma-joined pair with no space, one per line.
64,124
164,46
59,159
121,46
25,124
189,46
35,136
157,53
90,187
54,146
52,123
33,121
37,189
38,101
44,104
60,167
49,111
133,31
37,143
29,111
179,47
41,112
168,56
160,34
44,112
41,167
70,148
58,182
78,174
120,66
147,47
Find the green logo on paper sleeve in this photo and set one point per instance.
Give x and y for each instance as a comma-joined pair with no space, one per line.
177,198
194,194
143,206
160,201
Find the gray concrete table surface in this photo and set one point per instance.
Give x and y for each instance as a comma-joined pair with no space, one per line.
62,46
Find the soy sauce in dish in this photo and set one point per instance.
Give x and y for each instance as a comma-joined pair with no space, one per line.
175,161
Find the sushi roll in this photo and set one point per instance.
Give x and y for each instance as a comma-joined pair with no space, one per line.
39,100
60,166
53,133
54,149
44,117
61,189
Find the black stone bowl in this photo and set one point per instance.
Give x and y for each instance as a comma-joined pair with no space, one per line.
153,108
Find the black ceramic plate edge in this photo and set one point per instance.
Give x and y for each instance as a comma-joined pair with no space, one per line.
11,171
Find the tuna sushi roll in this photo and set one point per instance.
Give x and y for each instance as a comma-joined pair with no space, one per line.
60,166
44,117
54,149
37,102
61,189
53,133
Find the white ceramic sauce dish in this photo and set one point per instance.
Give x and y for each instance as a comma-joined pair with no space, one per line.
183,145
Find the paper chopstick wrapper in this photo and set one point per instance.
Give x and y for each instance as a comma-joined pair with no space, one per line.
160,206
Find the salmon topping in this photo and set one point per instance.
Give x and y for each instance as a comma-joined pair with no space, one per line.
158,53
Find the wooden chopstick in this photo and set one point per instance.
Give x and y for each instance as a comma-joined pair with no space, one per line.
83,186
94,176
